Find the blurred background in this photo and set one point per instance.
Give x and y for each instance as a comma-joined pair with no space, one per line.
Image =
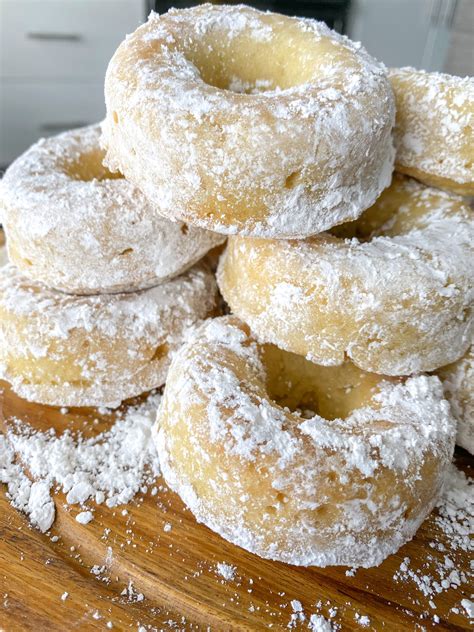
53,53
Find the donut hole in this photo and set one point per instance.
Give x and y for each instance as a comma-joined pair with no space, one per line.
89,166
273,55
309,389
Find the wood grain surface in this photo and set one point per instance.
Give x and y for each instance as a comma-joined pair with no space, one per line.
175,570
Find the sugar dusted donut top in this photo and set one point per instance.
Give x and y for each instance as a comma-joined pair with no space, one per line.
74,226
244,120
434,130
239,444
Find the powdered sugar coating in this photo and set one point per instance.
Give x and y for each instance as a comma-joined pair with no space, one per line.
348,491
95,350
458,382
31,498
249,122
434,130
73,227
397,303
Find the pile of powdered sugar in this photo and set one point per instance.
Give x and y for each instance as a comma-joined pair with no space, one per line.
109,468
34,499
455,519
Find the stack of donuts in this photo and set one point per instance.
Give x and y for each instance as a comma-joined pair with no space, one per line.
101,289
308,424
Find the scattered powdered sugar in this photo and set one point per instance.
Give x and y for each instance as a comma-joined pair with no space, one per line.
84,517
456,510
454,515
317,623
31,498
131,594
455,519
468,606
226,570
111,467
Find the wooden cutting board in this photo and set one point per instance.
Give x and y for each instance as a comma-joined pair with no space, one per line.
174,574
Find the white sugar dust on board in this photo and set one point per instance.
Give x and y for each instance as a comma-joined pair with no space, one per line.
454,519
109,468
227,571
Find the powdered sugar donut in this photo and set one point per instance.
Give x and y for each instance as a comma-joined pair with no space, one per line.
393,291
95,350
346,482
434,131
458,382
249,122
74,226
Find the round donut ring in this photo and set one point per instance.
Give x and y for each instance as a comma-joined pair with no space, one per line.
434,131
95,350
247,122
76,227
458,382
296,462
396,299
